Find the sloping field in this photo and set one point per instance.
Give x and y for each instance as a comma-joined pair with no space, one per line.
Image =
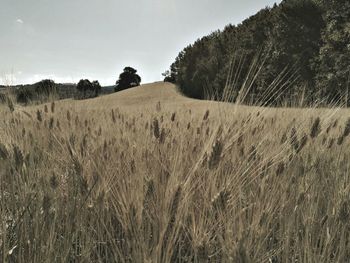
147,175
146,97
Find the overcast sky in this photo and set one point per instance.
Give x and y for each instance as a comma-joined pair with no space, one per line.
67,40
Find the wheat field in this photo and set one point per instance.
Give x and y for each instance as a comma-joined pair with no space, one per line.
147,175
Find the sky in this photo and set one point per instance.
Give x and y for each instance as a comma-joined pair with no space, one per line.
67,40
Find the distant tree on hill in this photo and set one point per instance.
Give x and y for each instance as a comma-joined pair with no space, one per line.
168,76
128,79
96,87
83,86
40,91
45,87
88,89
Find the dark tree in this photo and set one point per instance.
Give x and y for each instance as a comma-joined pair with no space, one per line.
128,79
45,87
333,77
96,87
83,86
41,91
88,89
168,76
306,39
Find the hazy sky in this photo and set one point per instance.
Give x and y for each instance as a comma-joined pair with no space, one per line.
67,40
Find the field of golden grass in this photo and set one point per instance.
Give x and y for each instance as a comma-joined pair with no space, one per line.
147,175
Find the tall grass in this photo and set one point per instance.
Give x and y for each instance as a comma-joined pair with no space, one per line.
174,184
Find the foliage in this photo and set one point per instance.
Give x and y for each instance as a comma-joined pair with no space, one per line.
306,41
40,91
168,77
334,58
87,89
45,87
96,87
128,79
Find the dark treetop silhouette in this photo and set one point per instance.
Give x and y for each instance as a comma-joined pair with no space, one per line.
128,79
88,89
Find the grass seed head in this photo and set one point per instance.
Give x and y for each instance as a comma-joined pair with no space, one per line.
347,128
51,123
162,136
158,106
206,115
303,142
68,116
156,129
280,168
46,204
220,200
18,156
53,107
344,212
215,155
4,154
39,116
315,128
54,181
294,139
340,140
330,143
113,117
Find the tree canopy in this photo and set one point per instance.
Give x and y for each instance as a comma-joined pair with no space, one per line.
128,79
45,87
40,91
303,44
88,89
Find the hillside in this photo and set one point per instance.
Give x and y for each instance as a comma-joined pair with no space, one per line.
144,96
147,96
148,175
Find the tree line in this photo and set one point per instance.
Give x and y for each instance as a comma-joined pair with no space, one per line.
298,49
47,89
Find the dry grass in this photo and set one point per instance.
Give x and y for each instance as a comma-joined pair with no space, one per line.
146,175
